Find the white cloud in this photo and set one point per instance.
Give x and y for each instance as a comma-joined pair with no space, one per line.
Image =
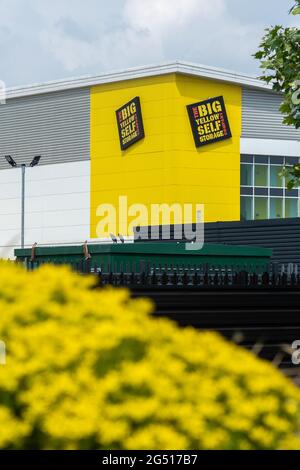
148,31
107,45
156,15
57,38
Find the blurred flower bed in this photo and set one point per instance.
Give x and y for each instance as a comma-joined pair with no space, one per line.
90,369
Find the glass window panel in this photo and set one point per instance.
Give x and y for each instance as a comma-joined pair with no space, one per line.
276,181
261,159
247,175
276,192
246,208
277,160
261,175
246,158
291,160
276,208
246,191
291,208
261,208
261,192
291,193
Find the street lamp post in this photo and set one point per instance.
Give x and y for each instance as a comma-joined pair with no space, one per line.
13,164
23,168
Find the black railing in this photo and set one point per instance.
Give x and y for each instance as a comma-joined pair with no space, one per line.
192,277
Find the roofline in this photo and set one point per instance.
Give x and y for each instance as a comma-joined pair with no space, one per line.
186,68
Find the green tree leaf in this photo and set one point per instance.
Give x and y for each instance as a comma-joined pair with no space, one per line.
279,56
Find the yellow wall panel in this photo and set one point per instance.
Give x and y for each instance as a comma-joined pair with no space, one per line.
165,167
218,190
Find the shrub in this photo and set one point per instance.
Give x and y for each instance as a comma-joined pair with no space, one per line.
90,369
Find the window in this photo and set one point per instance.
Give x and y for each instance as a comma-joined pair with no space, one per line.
246,208
247,175
276,208
261,175
261,208
291,207
263,191
275,180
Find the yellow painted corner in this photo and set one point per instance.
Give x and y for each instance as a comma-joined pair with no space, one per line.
164,167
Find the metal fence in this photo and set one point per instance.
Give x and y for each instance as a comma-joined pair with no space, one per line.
192,277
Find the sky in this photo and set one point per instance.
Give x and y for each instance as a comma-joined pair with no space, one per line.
43,40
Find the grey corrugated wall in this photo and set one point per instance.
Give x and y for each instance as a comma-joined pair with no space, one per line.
55,125
262,118
282,235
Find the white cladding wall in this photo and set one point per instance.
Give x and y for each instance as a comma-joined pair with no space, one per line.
57,205
284,148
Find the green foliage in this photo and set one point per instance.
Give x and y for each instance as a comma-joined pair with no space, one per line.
296,8
279,54
292,176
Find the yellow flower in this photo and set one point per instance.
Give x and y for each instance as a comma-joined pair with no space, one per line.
92,369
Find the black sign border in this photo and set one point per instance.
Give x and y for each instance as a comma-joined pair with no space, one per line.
140,122
194,124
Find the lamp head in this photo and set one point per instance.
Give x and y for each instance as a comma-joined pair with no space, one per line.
35,161
10,161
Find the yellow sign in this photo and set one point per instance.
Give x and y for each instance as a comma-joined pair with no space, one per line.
209,121
130,123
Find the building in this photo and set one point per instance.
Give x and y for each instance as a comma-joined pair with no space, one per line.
73,125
